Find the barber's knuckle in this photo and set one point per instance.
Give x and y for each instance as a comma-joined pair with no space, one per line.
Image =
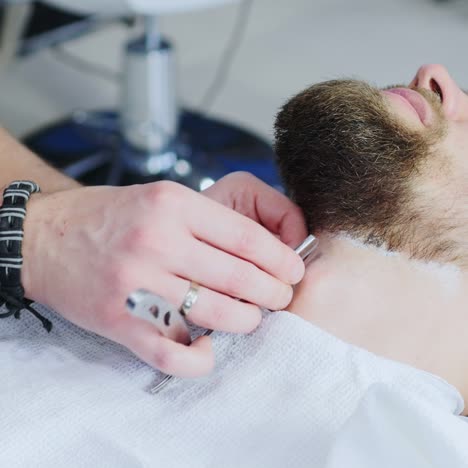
211,317
244,243
244,176
118,276
161,359
148,240
163,194
229,315
239,280
216,316
135,238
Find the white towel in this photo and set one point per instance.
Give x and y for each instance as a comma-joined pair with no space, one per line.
288,394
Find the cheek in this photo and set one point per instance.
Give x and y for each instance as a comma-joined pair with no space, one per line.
455,149
445,182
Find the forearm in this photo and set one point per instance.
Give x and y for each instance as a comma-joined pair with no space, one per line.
17,162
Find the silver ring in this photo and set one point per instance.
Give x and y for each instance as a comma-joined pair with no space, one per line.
189,299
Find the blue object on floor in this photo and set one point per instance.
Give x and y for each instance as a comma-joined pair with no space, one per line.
214,148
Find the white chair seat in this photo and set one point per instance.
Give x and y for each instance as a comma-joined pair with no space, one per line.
140,7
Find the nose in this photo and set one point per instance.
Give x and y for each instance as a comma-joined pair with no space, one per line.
436,78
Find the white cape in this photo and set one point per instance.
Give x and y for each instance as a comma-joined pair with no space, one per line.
288,394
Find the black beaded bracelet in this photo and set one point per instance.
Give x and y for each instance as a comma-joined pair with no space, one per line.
12,214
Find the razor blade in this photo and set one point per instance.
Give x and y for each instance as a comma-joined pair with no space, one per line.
156,310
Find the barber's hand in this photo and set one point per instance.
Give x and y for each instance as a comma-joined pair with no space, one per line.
253,198
85,250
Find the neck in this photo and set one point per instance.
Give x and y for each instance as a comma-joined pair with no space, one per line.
401,309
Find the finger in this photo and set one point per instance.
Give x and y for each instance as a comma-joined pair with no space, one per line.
225,229
279,214
232,276
144,340
262,203
216,311
212,309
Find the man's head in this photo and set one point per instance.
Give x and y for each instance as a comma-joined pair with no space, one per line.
384,166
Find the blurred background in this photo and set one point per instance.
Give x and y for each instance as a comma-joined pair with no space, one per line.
236,61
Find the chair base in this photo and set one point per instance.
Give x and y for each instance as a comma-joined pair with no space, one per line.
92,150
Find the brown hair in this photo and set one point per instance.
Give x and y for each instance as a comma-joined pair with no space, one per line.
351,166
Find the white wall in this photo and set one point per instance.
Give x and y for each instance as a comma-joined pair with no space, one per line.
288,45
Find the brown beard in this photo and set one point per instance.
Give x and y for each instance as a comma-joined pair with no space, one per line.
352,166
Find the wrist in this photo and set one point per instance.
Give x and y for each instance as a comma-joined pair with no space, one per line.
31,277
12,222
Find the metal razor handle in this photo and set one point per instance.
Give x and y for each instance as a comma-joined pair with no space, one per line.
307,247
156,310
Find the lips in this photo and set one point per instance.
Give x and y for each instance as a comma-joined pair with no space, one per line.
415,100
